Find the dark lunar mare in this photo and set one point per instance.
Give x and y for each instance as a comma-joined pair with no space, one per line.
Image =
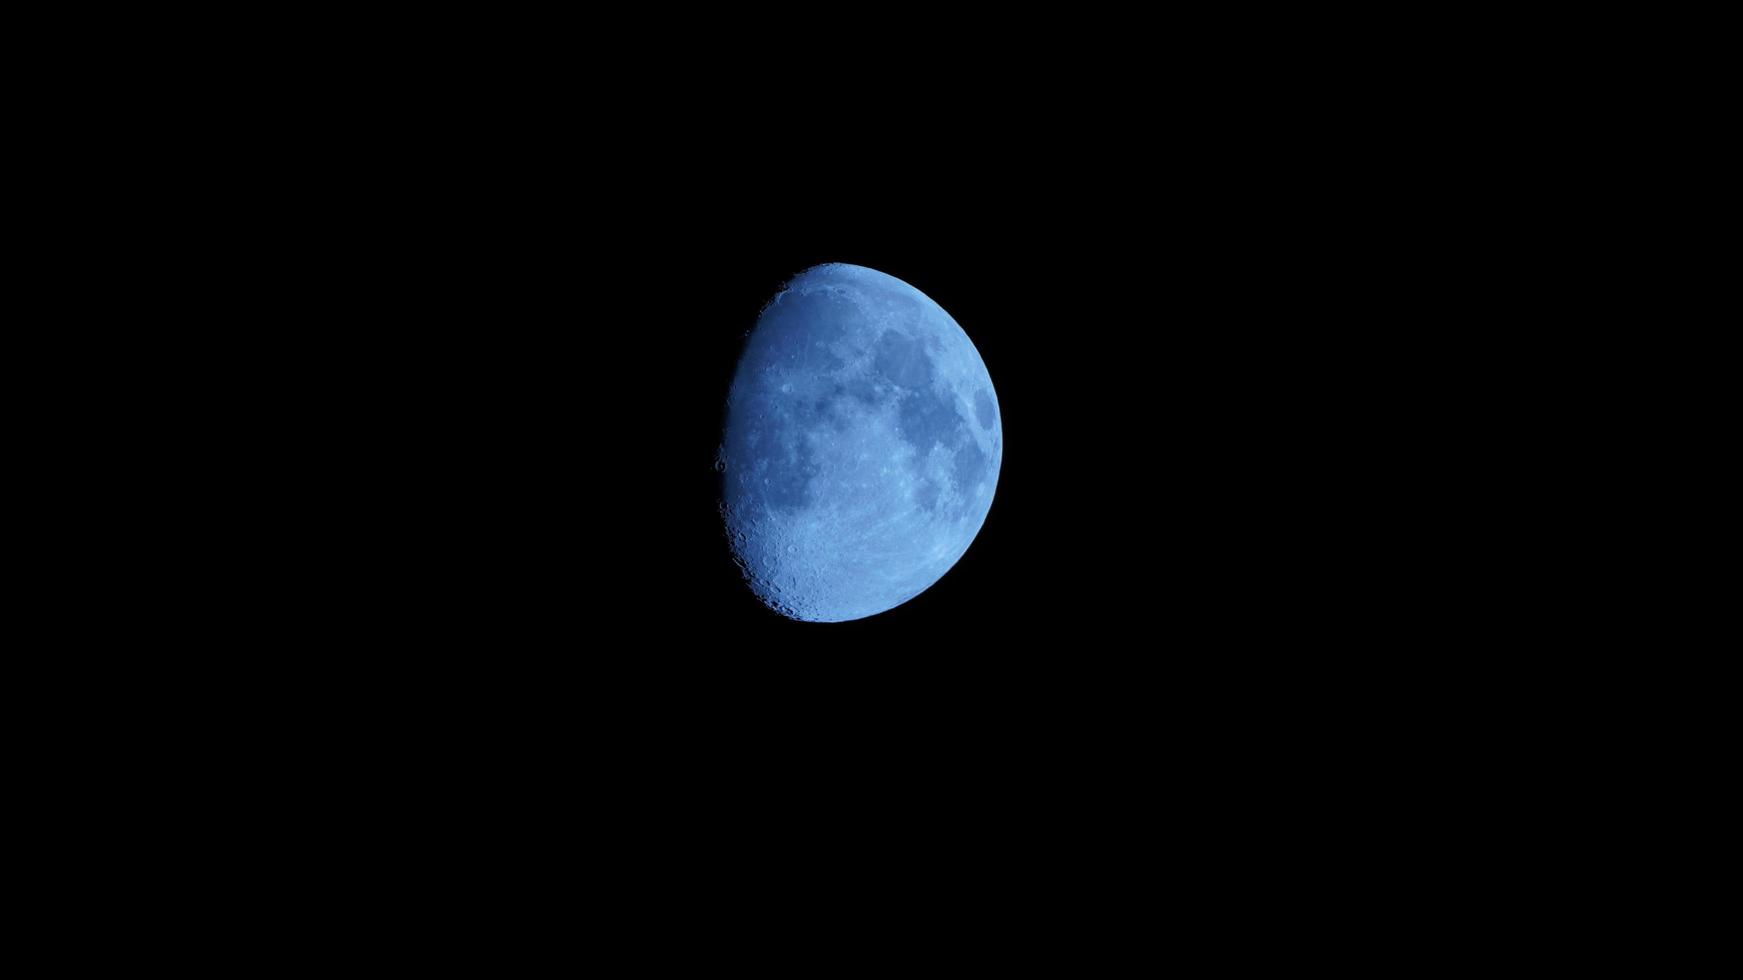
929,416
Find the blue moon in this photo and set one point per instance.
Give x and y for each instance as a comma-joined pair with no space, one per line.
861,449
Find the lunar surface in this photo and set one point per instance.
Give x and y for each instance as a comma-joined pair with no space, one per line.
862,446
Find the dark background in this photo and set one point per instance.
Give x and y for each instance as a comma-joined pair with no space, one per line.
1224,552
1234,608
1215,588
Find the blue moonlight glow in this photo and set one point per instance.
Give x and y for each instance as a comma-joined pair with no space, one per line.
862,446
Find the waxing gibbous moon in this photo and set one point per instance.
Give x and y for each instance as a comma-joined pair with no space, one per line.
862,446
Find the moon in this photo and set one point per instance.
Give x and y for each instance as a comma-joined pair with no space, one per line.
861,449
